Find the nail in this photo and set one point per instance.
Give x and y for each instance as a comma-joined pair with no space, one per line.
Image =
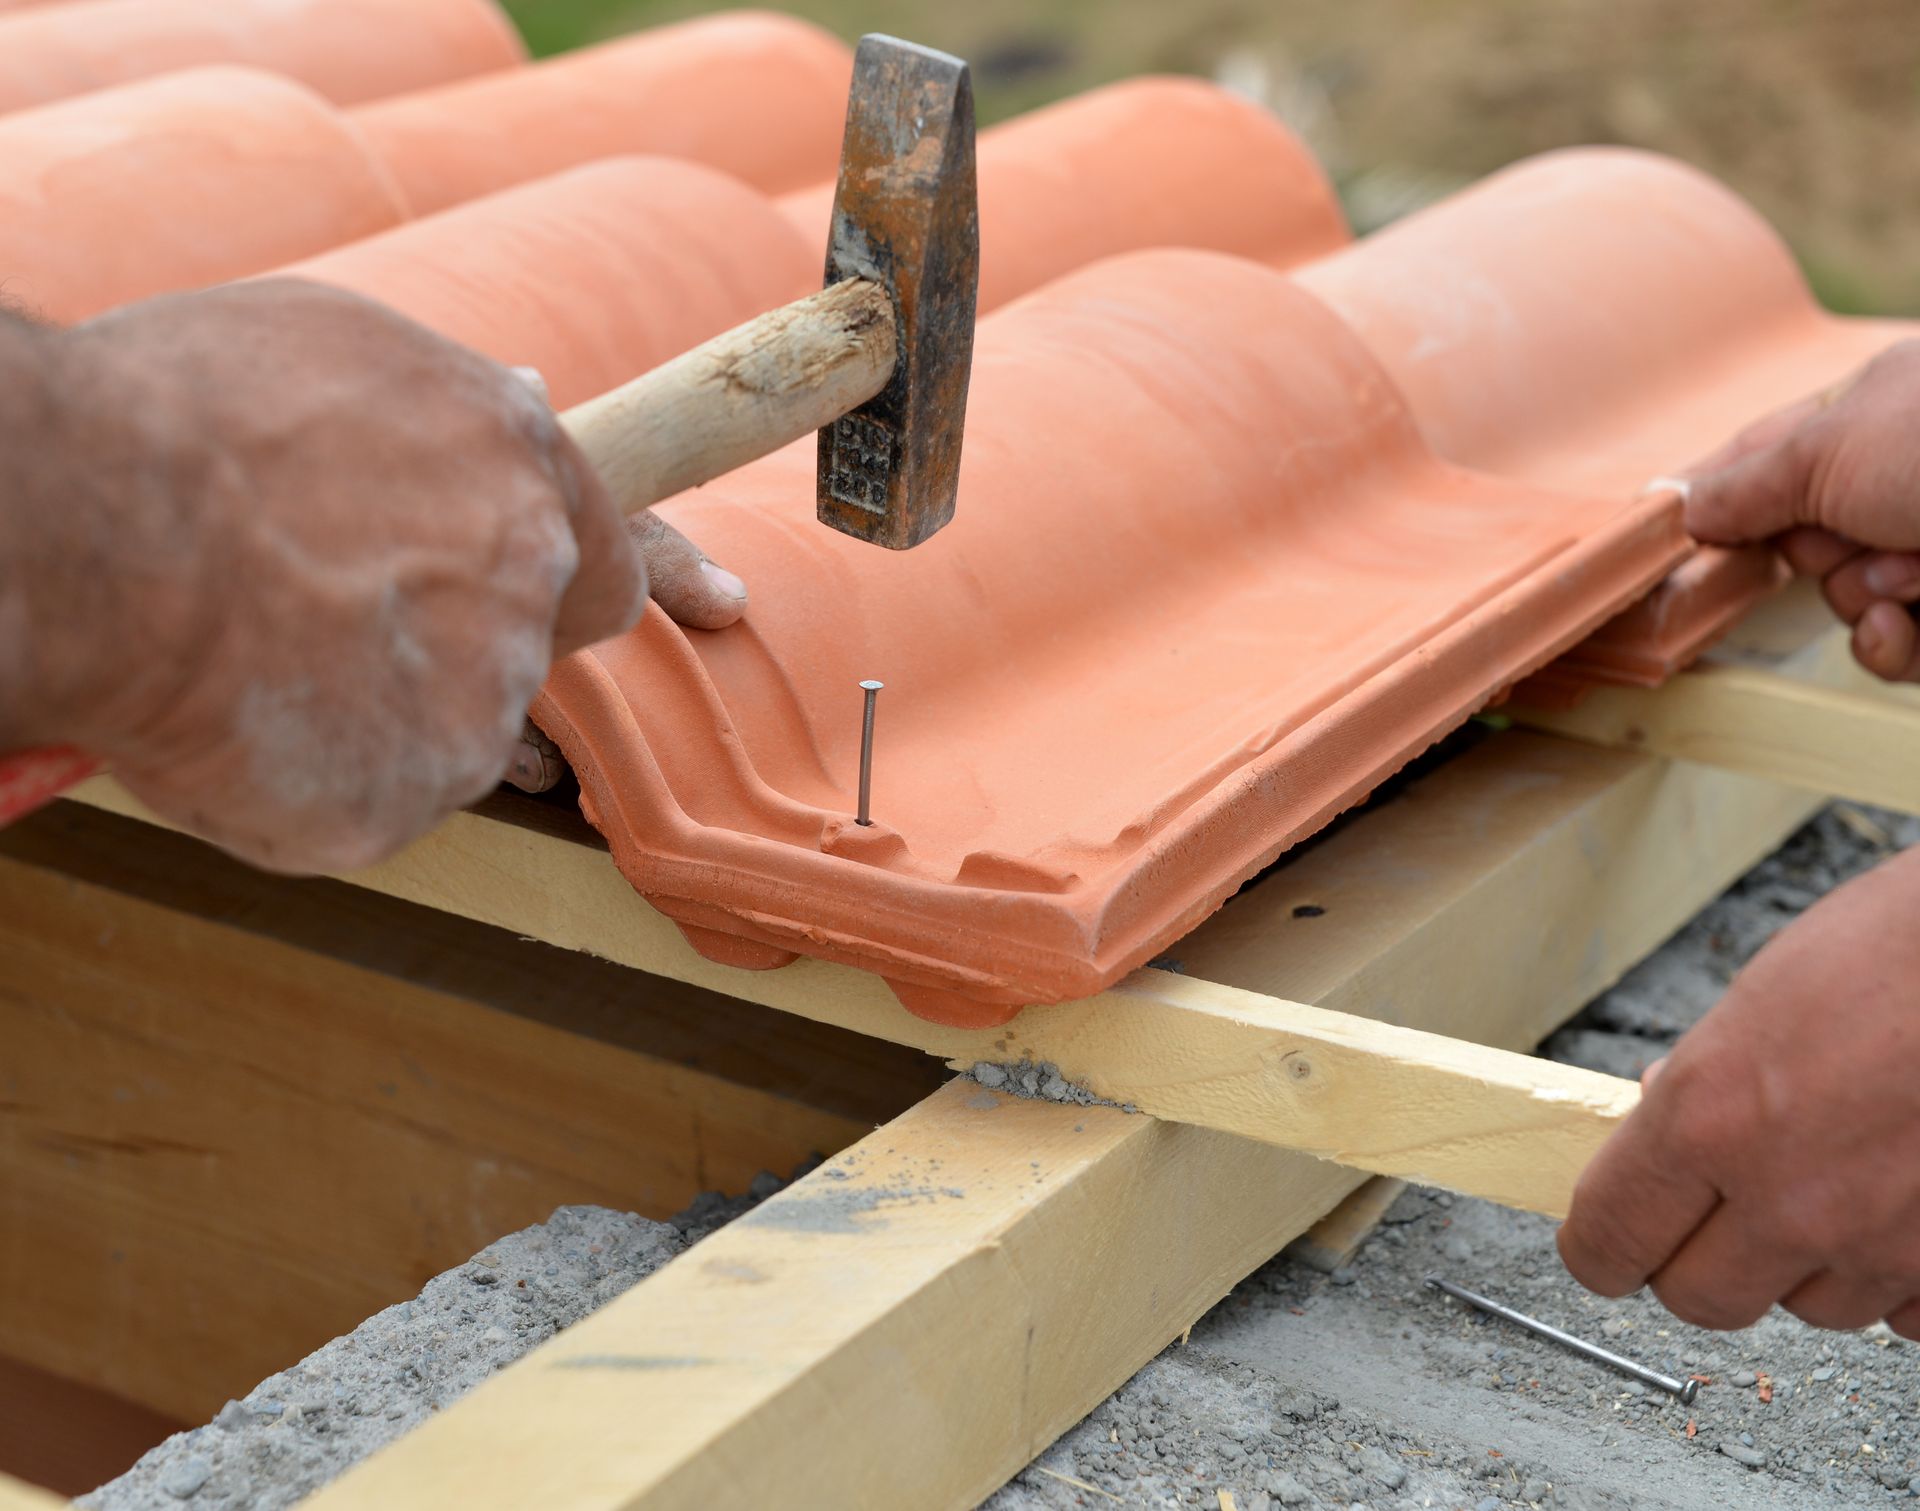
724,580
1868,642
864,818
1679,485
1895,577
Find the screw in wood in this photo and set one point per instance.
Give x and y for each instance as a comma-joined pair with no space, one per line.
1686,1390
865,816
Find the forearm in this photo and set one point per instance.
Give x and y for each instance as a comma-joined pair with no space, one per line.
92,542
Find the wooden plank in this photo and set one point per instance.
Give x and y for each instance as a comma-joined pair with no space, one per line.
17,1495
217,1151
1856,745
778,1359
1336,1238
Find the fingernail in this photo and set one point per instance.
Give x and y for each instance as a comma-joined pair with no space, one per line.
724,580
1892,577
1679,485
1867,641
531,376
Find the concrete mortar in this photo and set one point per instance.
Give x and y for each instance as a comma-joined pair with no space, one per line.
1361,1390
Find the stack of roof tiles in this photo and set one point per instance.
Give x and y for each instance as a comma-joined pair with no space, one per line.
1251,513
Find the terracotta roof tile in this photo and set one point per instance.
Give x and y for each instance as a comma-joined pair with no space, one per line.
1588,320
658,255
1206,588
349,50
1115,170
762,96
110,197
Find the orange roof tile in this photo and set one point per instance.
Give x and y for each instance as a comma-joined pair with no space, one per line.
1206,588
1114,170
348,50
189,179
760,95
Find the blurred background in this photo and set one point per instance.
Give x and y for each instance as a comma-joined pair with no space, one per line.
1808,108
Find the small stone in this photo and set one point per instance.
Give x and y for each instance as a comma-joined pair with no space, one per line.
1745,1378
1490,1503
1457,1249
1740,1453
1392,1476
1055,1090
1613,1327
1342,1276
1287,1490
1824,1373
1747,1438
990,1075
233,1416
481,1276
1535,1489
183,1478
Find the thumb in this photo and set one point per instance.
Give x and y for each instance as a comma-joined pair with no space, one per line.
695,592
1756,497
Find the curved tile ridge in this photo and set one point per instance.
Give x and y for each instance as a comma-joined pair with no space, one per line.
1205,589
761,95
348,50
175,183
592,276
1587,320
1145,163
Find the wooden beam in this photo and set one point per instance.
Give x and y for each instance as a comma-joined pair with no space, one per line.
1336,1238
17,1495
219,1150
1864,746
775,1360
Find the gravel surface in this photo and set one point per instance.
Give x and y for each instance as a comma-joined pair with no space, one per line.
1366,1389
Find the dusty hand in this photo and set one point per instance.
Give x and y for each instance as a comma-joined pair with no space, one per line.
328,558
1835,480
1775,1157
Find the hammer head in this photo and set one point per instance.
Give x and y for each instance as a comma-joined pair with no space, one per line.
906,216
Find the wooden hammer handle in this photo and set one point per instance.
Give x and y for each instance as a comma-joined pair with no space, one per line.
740,396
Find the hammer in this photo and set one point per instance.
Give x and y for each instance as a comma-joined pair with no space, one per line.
877,362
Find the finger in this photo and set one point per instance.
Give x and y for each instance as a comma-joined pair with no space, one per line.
1634,1206
1727,1274
695,592
1905,1319
1816,553
1652,1074
1885,643
1761,435
1841,1303
609,591
1857,584
1756,497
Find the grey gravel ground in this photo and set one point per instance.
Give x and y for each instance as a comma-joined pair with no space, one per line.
1366,1389
1362,1390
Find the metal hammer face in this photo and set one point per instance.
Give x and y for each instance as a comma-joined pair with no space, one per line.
906,216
